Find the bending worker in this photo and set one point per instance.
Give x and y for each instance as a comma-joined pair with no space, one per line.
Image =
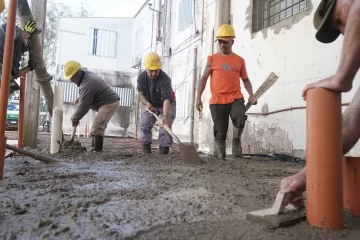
95,94
20,47
155,92
331,18
226,68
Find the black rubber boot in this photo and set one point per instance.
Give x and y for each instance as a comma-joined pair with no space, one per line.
164,150
220,149
236,148
98,143
146,148
236,142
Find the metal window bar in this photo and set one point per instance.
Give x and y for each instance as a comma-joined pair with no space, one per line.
71,93
269,12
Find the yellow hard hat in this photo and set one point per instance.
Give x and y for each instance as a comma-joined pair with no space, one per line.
225,32
152,61
2,5
70,68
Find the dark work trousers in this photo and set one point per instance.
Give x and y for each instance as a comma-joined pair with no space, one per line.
220,114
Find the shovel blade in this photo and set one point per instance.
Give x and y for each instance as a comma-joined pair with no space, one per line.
188,154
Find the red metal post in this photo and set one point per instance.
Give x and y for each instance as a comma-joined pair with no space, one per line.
352,185
21,112
5,79
324,186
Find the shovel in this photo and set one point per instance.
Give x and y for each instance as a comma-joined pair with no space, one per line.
188,152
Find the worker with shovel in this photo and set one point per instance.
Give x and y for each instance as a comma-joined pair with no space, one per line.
332,18
226,68
20,47
95,94
155,92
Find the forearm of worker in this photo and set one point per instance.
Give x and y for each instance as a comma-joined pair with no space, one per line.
350,56
142,98
166,107
248,86
83,106
203,80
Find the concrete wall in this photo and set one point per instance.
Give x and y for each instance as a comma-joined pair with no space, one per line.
289,49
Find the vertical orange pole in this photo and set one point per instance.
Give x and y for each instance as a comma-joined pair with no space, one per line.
324,187
21,112
352,185
5,79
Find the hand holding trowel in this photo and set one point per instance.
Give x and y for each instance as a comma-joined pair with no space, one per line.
271,79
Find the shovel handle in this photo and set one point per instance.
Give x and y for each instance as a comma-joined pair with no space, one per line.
165,126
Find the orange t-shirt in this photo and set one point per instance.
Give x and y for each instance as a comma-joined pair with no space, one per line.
226,72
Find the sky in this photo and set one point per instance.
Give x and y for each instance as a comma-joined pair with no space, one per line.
105,8
109,8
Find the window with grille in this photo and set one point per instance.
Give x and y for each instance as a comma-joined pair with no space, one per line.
185,14
102,43
269,12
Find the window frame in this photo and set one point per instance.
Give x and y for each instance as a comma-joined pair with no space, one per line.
274,11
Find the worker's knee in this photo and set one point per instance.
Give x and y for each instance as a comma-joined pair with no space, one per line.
240,122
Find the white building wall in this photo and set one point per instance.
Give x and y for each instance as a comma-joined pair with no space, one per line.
180,62
289,49
75,39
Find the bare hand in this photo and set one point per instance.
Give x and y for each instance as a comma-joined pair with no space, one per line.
297,185
250,100
199,105
76,101
164,120
150,107
330,83
24,70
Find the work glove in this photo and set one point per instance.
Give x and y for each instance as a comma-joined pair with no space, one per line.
30,27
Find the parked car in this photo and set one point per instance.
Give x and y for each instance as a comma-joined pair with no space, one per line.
12,116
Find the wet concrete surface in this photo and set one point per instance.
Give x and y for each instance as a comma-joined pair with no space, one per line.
108,196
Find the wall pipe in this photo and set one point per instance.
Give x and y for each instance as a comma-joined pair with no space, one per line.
324,167
286,110
351,181
193,92
5,79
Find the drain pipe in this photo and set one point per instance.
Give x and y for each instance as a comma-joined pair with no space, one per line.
57,120
5,79
193,89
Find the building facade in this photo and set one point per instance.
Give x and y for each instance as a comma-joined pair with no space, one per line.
271,35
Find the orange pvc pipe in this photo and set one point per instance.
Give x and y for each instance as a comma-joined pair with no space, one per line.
324,187
21,112
5,79
352,185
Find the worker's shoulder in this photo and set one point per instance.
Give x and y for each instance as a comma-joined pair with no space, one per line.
214,55
237,56
163,76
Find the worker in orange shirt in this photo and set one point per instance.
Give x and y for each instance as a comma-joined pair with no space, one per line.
226,68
